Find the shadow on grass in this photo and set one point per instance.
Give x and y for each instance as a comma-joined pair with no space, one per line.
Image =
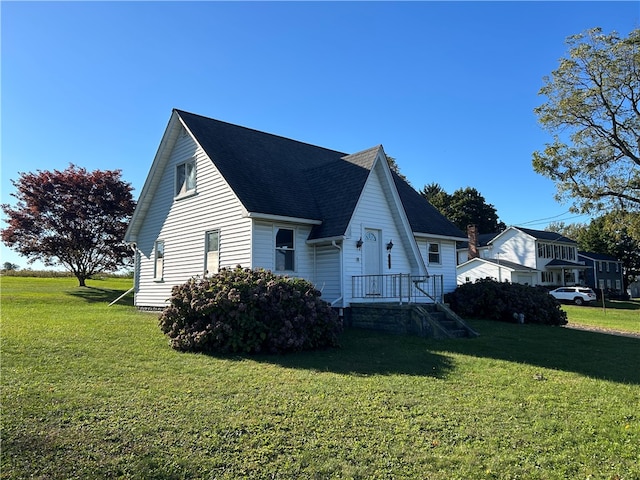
593,354
101,295
364,352
619,304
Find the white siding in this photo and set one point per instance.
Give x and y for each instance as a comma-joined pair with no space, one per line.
328,272
374,211
182,223
319,265
515,247
476,270
447,265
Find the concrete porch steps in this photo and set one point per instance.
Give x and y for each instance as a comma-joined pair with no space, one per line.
425,320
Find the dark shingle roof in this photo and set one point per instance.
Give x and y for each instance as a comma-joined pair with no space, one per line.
544,235
279,176
598,256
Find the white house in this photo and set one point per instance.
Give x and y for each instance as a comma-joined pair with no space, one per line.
521,255
220,195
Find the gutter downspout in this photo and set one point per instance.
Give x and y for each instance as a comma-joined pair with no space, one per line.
341,298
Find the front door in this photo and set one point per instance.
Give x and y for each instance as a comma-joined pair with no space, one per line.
372,262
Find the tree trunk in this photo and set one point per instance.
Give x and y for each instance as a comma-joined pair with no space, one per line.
81,281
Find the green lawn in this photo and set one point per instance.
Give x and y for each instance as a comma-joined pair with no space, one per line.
91,391
616,315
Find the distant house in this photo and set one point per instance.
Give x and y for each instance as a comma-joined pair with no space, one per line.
520,255
220,195
604,272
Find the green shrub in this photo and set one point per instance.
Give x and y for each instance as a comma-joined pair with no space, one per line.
493,300
249,311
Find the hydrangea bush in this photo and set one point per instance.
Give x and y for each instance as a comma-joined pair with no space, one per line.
494,300
249,311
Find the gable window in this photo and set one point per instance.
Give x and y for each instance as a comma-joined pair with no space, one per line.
186,178
158,266
285,250
212,252
434,253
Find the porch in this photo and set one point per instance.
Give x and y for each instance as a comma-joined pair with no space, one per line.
400,287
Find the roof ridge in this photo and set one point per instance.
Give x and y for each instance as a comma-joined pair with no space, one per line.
255,130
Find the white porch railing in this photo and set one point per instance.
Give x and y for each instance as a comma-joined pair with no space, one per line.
399,287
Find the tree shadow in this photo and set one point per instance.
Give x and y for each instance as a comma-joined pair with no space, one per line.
101,295
365,353
593,354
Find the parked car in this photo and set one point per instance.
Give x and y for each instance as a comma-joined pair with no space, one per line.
577,295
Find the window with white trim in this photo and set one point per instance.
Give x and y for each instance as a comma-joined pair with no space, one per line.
285,250
186,178
158,266
433,253
212,252
547,277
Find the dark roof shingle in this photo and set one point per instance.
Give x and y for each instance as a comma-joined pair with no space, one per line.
278,176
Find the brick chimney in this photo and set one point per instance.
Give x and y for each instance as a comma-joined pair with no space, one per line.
472,233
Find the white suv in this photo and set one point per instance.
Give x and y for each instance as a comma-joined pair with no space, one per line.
577,295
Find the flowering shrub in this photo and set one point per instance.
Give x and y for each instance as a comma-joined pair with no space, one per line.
493,300
249,311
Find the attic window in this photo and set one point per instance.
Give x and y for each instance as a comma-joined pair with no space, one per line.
186,178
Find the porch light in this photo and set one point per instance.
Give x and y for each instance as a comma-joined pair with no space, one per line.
390,245
359,243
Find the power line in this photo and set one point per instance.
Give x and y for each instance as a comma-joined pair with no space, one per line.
546,218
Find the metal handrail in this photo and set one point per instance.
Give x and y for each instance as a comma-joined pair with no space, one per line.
400,287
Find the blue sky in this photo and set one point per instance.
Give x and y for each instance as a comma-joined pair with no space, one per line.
448,88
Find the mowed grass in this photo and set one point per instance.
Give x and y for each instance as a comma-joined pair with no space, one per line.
616,315
91,391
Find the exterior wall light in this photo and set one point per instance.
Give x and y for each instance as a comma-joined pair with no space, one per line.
359,243
390,245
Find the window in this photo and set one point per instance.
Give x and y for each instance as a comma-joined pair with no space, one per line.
601,284
186,178
285,250
212,252
600,266
617,267
434,253
159,260
608,266
618,285
547,277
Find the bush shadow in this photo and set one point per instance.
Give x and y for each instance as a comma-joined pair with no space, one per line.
366,353
593,354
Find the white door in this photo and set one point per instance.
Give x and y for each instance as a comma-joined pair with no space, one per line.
372,262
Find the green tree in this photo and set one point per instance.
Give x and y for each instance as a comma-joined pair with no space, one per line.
393,165
464,207
72,218
437,197
607,235
592,110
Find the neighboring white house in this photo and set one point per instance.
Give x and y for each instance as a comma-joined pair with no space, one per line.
522,255
220,195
